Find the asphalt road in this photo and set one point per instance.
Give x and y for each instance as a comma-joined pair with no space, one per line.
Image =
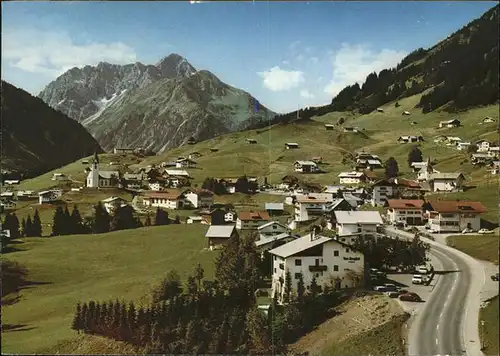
438,326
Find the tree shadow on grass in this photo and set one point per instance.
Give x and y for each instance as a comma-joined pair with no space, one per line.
16,327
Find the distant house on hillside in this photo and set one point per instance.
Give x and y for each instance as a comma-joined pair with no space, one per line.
49,196
274,208
329,126
380,110
487,120
352,177
219,235
114,203
483,145
185,163
251,220
251,141
168,199
408,139
448,182
291,145
406,113
117,150
351,129
449,123
306,167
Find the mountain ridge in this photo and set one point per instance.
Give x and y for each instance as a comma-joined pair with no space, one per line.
157,106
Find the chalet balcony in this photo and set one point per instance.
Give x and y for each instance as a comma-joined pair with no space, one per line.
282,266
317,268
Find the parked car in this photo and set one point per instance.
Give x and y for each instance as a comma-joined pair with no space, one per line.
410,297
391,287
417,279
467,231
392,294
403,291
495,277
380,288
422,270
485,231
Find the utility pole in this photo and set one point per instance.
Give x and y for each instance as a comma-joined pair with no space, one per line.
482,335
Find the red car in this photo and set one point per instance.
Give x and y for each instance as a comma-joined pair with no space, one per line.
410,297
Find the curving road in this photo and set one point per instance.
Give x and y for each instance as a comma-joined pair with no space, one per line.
438,326
447,323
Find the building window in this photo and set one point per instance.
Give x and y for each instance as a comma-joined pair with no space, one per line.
336,253
298,262
347,250
275,227
316,275
275,270
297,275
335,268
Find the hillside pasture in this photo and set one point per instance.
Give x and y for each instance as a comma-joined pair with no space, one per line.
67,269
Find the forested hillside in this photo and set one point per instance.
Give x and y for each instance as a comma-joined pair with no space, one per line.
458,73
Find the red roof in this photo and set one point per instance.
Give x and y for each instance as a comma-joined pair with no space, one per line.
171,195
405,203
253,215
409,183
453,206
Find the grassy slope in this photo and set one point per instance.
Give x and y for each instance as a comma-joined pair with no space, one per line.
124,264
491,330
483,247
385,339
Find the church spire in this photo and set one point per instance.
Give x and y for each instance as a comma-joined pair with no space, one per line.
96,158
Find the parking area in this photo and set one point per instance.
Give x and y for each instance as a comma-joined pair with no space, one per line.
403,280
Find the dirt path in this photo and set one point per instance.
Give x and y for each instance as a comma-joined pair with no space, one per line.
356,316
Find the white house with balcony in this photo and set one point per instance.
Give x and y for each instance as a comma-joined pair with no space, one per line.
199,198
312,205
328,260
381,191
352,177
447,182
49,196
462,146
483,145
405,211
352,222
454,216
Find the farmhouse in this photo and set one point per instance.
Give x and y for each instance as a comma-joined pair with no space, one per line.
311,206
11,181
406,211
449,182
191,141
352,177
195,220
185,163
483,145
329,126
49,196
409,139
317,256
333,189
251,220
461,146
362,163
199,198
117,150
97,178
177,173
171,199
306,167
218,216
274,208
351,222
219,235
480,158
251,141
452,140
157,184
60,177
488,120
272,228
114,203
494,167
406,113
291,145
454,216
351,129
449,123
229,184
380,110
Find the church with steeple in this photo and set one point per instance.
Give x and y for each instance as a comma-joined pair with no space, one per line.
101,179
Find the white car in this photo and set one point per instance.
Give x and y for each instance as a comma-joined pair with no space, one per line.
422,270
485,231
417,279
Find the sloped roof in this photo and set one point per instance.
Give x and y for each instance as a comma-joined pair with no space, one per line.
223,231
405,203
176,172
358,217
305,163
108,174
271,223
170,194
264,240
253,215
274,206
453,206
351,174
434,176
314,198
111,199
298,245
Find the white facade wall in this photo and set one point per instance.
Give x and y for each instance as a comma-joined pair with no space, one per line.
348,229
271,230
445,185
380,195
350,180
337,266
249,224
455,222
400,215
162,203
154,186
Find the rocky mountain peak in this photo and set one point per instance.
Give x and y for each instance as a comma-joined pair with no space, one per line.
175,66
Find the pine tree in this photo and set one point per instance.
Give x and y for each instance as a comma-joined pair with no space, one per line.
76,221
161,217
101,220
23,227
85,316
58,223
77,319
37,225
28,232
97,318
258,331
177,219
300,289
391,168
199,273
124,327
288,287
191,286
103,318
148,221
132,317
314,288
91,316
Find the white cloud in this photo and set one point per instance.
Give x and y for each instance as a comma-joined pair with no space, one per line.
314,59
306,94
286,62
52,53
293,46
353,63
277,79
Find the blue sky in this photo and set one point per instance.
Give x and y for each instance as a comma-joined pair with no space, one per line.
284,53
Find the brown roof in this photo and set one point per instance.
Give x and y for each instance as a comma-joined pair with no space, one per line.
312,199
409,183
405,203
253,215
453,206
170,194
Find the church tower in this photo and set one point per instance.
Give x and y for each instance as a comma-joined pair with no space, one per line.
93,176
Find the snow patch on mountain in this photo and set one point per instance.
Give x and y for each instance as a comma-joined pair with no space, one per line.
103,104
